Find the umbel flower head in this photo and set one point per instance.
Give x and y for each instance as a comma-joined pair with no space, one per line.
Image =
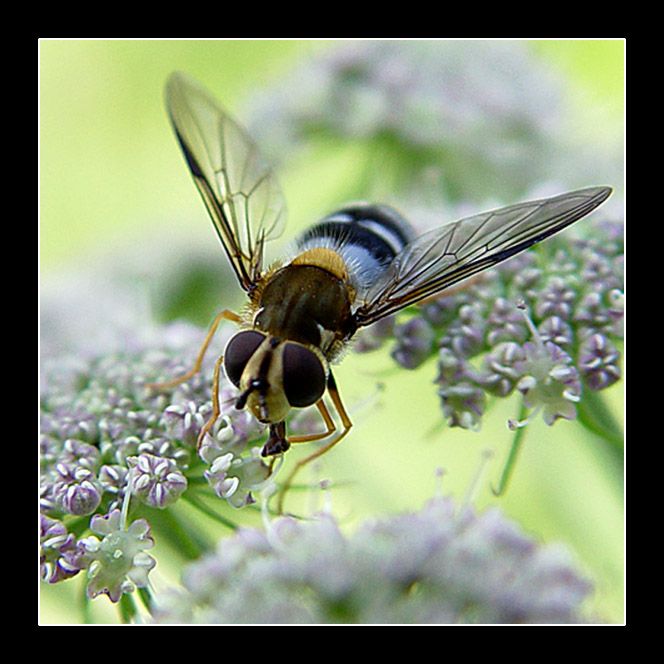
547,328
443,564
471,119
92,435
107,440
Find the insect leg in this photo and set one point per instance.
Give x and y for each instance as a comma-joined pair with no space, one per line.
336,400
215,403
347,424
329,423
228,315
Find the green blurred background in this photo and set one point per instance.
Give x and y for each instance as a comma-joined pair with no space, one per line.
112,179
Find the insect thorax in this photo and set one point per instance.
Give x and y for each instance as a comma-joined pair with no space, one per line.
307,304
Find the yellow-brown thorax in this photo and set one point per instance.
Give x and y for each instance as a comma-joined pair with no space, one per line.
303,308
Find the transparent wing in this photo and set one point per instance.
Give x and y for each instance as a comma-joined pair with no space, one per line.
239,190
442,257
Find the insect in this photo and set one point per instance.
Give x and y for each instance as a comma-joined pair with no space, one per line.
356,266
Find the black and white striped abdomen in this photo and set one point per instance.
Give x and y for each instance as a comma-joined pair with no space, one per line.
367,237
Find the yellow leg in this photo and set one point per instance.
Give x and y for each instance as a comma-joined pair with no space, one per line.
329,423
215,404
347,424
228,315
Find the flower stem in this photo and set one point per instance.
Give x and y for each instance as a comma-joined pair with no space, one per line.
185,539
208,511
145,596
127,608
517,441
596,417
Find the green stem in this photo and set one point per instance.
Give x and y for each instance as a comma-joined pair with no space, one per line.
517,442
85,601
190,543
607,441
208,511
145,596
127,608
596,417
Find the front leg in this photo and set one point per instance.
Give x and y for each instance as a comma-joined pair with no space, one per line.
347,424
225,314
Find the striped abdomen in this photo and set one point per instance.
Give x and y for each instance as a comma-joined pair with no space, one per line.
367,237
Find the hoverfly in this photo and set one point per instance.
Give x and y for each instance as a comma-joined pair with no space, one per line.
356,266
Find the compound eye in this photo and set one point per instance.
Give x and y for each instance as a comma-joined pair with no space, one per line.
303,375
238,351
